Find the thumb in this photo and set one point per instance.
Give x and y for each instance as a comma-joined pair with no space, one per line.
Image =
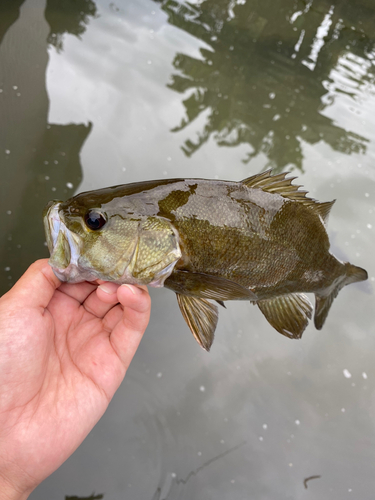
36,286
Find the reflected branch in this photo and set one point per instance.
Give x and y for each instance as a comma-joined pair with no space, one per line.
158,493
91,497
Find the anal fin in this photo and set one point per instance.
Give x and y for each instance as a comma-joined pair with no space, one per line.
201,317
288,314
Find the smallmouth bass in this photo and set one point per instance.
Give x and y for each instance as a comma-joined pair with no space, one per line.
262,240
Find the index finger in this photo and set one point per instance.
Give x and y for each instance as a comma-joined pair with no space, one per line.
36,286
127,334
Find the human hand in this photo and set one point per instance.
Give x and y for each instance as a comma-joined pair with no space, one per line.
64,350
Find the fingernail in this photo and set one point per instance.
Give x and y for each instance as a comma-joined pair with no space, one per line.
109,288
134,289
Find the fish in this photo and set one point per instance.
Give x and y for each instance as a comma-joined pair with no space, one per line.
262,240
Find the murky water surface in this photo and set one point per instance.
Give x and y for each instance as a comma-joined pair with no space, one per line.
97,93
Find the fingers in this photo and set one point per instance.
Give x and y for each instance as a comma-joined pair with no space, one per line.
36,286
78,291
98,303
127,334
107,292
103,300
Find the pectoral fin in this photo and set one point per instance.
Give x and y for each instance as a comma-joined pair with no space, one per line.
288,314
201,317
206,286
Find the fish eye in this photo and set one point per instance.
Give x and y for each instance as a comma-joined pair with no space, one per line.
94,220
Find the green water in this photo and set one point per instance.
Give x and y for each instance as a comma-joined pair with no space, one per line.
98,93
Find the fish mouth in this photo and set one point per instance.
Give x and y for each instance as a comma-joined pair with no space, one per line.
64,247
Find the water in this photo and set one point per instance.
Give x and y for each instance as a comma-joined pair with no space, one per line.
96,93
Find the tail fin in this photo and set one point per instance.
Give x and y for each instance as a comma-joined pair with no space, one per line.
323,302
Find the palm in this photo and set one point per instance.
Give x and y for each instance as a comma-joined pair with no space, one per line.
72,356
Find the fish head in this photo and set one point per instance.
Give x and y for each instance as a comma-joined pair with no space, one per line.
99,242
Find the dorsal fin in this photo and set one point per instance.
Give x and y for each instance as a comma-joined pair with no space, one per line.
283,186
277,184
323,209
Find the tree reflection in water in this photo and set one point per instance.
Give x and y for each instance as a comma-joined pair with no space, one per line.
265,77
43,158
68,16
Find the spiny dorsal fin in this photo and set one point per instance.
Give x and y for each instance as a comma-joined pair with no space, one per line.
279,184
288,314
275,184
201,317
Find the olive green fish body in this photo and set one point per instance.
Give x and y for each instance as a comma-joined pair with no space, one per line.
261,240
271,252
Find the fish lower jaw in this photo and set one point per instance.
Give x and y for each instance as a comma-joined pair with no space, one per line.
76,273
73,274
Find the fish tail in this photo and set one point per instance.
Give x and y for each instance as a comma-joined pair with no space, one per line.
354,274
323,301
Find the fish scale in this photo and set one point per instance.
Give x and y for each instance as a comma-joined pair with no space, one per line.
262,240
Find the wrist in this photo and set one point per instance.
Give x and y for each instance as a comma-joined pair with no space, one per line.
9,492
